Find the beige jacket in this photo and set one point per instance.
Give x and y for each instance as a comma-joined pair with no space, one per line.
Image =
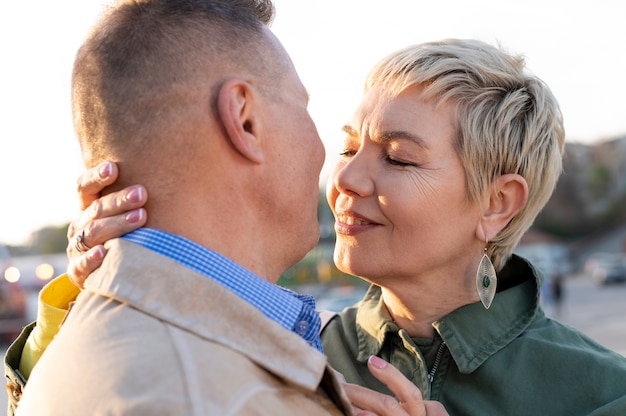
151,337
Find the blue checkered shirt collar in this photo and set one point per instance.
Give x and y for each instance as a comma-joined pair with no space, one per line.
293,311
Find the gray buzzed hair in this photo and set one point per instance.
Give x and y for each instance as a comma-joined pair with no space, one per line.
143,59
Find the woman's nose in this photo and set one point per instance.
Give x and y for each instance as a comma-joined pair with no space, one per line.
355,175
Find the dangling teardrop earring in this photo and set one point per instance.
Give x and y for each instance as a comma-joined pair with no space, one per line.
486,280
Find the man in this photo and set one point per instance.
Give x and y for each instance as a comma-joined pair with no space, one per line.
176,319
184,318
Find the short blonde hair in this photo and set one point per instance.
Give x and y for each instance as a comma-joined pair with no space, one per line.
508,121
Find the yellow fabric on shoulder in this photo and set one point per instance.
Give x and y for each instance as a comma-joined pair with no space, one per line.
54,302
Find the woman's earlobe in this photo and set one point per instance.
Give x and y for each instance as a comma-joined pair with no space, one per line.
236,109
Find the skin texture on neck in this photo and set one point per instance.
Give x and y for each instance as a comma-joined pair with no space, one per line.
414,306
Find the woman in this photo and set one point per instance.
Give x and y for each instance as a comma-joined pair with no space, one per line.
449,158
451,154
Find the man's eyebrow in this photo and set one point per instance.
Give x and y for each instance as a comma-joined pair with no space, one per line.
388,136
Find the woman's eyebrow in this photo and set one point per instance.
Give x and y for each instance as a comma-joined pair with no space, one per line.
400,134
350,131
388,136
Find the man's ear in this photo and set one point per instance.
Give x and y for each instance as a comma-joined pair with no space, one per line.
236,108
507,197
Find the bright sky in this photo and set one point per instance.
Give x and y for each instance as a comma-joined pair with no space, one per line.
577,47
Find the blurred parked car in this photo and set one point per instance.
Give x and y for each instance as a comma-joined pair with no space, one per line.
605,268
12,308
21,279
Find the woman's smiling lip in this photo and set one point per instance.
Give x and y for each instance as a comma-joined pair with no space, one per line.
351,223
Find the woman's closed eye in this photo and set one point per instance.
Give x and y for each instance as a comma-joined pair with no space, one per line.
348,153
398,162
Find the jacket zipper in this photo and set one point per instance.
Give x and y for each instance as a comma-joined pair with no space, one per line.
435,367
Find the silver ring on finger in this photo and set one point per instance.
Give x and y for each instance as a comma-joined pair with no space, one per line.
79,242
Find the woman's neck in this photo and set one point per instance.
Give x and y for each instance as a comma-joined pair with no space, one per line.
414,308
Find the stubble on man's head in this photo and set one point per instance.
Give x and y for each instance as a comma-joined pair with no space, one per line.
150,67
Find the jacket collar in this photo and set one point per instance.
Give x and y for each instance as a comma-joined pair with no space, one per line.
472,333
173,293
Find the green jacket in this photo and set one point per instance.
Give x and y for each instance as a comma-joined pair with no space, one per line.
508,360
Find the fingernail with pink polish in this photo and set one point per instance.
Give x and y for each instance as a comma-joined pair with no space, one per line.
105,170
134,216
134,195
377,362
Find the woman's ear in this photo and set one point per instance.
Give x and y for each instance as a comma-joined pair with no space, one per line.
507,197
236,108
